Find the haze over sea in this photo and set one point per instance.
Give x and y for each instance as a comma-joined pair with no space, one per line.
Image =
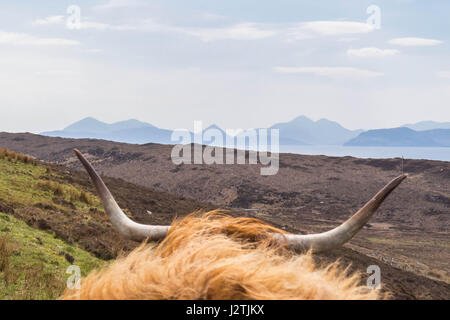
429,153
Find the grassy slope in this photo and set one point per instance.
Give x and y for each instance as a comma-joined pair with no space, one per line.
26,184
33,262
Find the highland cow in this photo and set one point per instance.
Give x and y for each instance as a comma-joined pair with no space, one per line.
214,256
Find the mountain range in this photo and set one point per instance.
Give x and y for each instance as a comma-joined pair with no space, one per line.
129,131
402,137
299,131
304,131
428,125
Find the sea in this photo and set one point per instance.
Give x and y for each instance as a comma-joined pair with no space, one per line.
428,153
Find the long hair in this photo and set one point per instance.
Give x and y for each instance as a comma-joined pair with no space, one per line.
215,256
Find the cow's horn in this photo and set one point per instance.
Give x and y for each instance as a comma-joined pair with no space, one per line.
338,236
121,223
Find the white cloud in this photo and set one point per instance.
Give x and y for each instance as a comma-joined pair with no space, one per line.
212,17
242,31
415,42
336,27
96,51
114,4
49,20
443,74
12,38
312,29
237,31
371,52
84,24
58,72
296,33
331,72
105,26
94,25
347,39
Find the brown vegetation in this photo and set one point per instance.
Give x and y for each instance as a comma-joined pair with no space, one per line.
5,253
60,190
408,237
14,156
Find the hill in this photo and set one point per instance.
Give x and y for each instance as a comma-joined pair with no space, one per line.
33,262
131,131
408,237
428,125
300,131
51,219
402,137
322,132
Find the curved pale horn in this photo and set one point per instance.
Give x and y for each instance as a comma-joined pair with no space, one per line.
338,236
121,223
316,242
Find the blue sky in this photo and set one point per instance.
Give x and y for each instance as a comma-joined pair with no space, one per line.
236,63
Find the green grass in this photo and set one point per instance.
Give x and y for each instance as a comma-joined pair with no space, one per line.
32,262
26,185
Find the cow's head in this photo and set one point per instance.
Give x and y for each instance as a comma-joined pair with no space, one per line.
214,256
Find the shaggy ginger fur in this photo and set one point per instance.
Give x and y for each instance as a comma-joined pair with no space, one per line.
214,256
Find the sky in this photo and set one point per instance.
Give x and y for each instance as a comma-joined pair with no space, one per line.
235,63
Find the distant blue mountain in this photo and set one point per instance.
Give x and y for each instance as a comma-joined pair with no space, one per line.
304,131
428,125
129,131
299,131
241,140
402,137
88,125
